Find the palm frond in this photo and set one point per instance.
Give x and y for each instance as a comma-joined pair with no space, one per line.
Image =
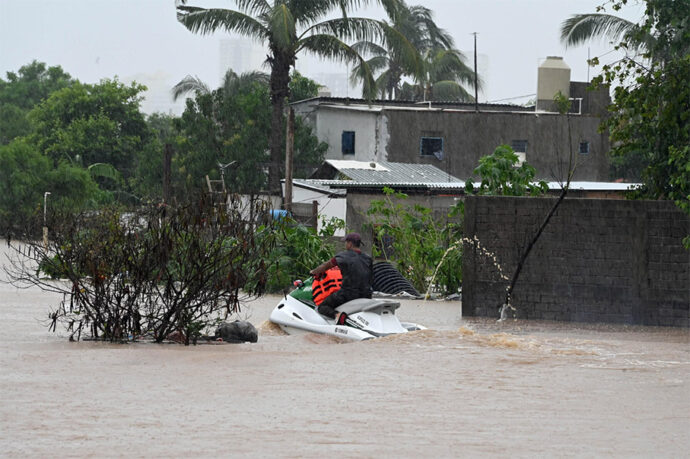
580,28
206,21
433,36
406,54
330,47
253,7
189,84
449,64
105,170
349,29
382,83
450,91
378,63
234,84
369,48
282,26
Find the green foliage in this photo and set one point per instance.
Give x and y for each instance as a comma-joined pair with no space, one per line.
25,175
412,38
650,115
13,123
302,88
299,249
88,124
22,91
416,242
501,175
218,127
32,84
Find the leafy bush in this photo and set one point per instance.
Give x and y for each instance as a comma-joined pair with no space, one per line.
421,247
155,272
299,249
501,175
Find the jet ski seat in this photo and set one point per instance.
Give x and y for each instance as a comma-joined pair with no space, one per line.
367,304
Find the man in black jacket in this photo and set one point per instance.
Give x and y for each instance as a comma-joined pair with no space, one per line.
358,277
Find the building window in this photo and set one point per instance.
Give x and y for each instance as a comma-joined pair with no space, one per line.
584,148
431,146
348,142
519,146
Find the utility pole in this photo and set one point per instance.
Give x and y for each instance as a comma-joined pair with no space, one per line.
476,92
289,150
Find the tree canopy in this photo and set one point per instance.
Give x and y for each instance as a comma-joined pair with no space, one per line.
217,128
22,91
650,114
290,28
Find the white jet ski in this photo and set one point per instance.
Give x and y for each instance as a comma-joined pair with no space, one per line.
366,317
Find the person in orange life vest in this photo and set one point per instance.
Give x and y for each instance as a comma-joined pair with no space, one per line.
358,277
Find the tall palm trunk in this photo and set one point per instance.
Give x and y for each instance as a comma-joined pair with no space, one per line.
280,79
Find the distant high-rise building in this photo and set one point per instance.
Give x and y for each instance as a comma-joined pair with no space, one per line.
240,55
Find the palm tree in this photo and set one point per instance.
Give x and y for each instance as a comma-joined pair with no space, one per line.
232,83
438,69
289,27
419,32
445,73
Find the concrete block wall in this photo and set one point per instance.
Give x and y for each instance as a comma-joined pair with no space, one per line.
597,260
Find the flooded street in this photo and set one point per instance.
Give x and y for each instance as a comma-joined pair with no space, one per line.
465,387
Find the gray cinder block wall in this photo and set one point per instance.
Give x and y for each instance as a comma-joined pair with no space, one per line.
597,260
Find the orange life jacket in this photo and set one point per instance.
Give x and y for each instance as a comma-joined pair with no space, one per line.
331,282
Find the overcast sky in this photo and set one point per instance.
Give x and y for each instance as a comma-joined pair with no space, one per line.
141,40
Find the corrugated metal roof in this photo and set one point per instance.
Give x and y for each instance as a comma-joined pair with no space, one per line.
386,173
316,185
460,185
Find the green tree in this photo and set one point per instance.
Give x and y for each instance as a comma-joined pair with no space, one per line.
444,77
302,88
425,248
501,174
87,124
26,174
13,123
232,83
32,84
23,90
393,60
650,114
289,27
218,129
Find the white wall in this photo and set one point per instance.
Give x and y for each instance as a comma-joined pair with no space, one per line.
330,124
328,207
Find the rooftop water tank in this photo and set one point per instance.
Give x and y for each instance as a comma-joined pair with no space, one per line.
553,76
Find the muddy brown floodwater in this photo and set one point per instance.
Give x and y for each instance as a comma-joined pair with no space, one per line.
463,388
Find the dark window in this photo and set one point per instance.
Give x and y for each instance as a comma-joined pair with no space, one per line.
348,142
431,146
519,146
584,148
